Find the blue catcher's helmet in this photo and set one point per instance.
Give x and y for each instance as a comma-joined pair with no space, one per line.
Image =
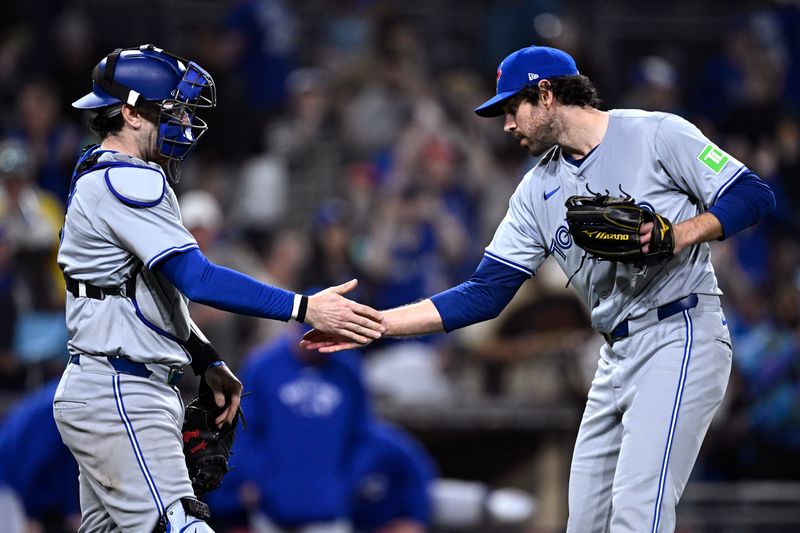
163,84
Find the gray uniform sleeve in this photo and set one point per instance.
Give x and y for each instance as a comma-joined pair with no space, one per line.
696,164
518,242
149,233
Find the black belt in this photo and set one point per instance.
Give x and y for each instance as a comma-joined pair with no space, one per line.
665,311
81,289
126,366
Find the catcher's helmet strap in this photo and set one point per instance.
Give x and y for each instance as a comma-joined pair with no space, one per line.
123,93
111,67
106,81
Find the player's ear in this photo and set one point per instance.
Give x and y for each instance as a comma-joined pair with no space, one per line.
546,96
132,116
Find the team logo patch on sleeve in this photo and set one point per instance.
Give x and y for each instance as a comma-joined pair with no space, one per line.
713,158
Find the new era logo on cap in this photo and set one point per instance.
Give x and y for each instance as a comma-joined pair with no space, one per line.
523,67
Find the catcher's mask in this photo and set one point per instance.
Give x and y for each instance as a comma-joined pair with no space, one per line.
161,84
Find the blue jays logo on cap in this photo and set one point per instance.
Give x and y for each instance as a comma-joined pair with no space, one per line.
522,68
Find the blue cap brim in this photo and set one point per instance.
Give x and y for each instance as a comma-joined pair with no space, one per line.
95,99
493,107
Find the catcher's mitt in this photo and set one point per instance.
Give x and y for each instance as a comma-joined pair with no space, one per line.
607,227
206,446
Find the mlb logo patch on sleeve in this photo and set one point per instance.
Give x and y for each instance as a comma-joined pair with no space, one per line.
713,158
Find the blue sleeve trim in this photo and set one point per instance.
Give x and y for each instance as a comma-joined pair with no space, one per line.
151,265
204,282
482,297
511,264
743,204
725,186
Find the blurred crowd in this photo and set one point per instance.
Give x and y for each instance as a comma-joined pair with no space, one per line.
344,146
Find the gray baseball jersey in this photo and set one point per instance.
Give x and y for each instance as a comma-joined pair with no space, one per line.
658,386
120,221
122,217
661,160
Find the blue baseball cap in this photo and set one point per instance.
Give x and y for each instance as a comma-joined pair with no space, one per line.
523,67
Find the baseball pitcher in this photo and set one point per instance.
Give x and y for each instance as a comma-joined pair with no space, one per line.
625,202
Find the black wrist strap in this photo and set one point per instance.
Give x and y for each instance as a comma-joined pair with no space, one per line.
301,311
203,353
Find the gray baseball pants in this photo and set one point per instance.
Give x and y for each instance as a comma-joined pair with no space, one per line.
124,432
649,407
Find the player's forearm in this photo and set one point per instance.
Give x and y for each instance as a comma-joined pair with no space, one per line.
481,298
702,228
206,283
419,318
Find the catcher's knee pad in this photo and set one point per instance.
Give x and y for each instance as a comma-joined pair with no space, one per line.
187,515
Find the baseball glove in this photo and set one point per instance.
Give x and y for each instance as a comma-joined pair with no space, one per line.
206,446
607,227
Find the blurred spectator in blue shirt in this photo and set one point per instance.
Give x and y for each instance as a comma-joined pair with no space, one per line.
397,490
36,465
392,478
260,41
304,417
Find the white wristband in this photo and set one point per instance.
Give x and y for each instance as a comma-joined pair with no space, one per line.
296,306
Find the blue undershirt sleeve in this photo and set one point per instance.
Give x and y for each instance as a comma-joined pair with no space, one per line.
486,293
745,202
204,282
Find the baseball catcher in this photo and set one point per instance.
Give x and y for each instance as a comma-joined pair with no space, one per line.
610,227
206,445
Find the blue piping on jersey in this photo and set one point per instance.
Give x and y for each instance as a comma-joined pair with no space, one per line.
508,263
577,162
727,184
134,203
100,166
85,155
152,326
170,251
184,528
137,449
676,406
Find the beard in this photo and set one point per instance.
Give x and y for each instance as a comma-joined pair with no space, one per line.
542,137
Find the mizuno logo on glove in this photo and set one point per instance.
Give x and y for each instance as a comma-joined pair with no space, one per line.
604,235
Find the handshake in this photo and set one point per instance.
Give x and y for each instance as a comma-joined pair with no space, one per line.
341,324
